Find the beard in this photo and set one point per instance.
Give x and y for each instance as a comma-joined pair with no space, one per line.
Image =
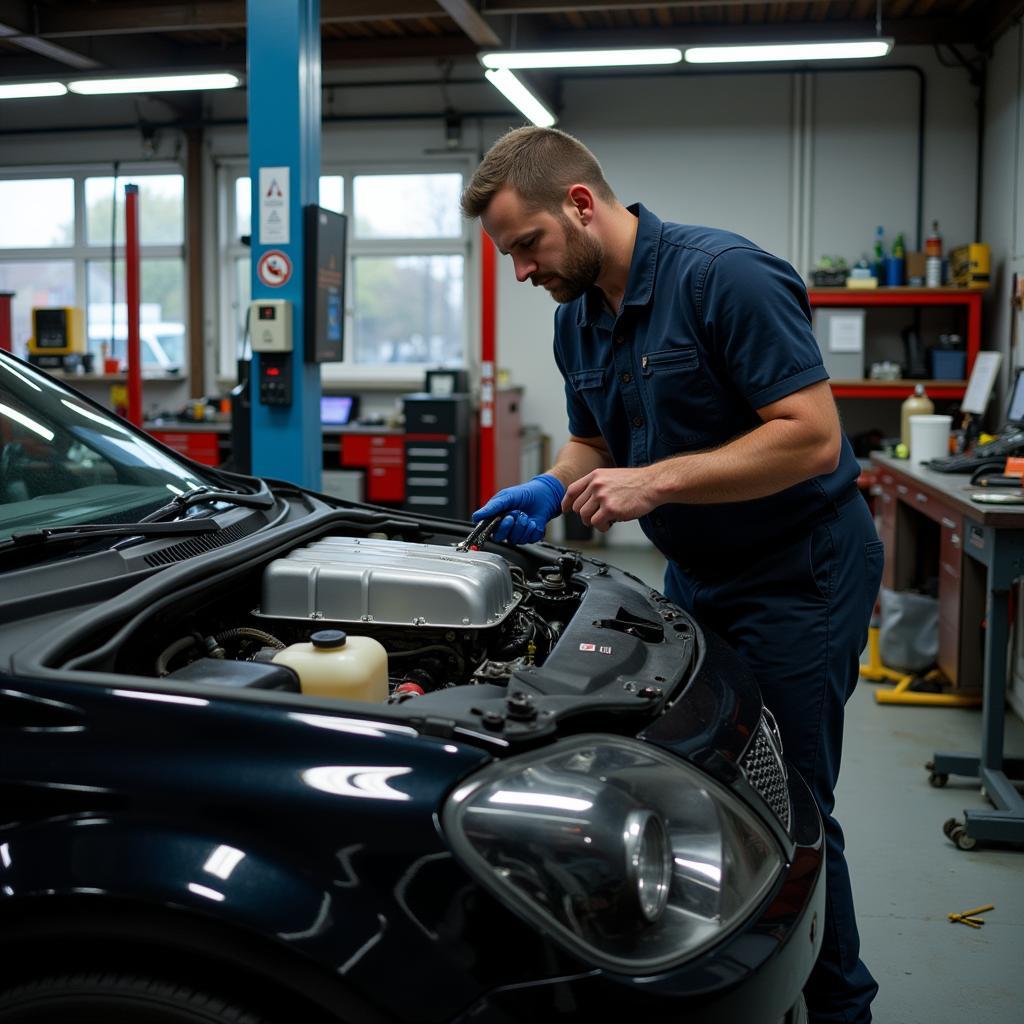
583,258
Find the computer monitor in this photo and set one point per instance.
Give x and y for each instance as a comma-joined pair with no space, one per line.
324,295
338,410
1015,407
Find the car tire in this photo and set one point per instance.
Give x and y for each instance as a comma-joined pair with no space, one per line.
107,997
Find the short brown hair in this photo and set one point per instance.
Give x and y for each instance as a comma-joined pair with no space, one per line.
540,164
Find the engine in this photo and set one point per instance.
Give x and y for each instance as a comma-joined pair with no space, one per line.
443,616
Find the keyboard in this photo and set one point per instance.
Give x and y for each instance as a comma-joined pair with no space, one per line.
993,453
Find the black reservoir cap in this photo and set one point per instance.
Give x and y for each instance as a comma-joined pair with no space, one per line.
326,639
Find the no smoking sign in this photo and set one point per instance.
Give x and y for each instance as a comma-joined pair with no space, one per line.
274,268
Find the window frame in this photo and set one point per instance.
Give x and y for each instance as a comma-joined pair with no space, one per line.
387,376
80,252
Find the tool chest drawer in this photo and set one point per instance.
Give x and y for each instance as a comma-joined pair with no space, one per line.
372,449
200,447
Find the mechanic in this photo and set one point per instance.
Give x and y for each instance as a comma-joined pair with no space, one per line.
698,404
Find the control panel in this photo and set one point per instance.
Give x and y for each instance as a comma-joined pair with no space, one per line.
270,325
275,380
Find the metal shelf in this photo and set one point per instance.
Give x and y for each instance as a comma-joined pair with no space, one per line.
868,298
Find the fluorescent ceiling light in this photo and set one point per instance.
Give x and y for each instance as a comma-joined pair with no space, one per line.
581,58
26,90
519,96
153,83
788,51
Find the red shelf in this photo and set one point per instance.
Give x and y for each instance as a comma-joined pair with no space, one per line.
896,388
874,297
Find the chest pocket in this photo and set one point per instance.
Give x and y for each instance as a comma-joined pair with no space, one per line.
680,397
589,386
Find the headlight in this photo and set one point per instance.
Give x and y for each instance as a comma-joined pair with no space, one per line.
632,858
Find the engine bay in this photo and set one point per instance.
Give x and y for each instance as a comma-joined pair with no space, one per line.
460,631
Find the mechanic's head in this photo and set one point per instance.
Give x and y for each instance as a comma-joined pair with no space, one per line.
539,194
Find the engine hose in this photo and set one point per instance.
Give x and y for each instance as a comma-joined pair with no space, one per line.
249,633
170,652
449,651
513,647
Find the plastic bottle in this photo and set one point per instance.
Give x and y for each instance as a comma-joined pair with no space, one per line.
334,664
878,263
933,258
918,404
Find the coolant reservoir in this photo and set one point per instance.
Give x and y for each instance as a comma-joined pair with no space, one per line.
335,664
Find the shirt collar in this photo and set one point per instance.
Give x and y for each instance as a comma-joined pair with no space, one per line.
642,267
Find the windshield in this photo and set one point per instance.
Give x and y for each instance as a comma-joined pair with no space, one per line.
66,462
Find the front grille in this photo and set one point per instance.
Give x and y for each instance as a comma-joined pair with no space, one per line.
765,771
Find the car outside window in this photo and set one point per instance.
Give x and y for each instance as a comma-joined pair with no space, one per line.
64,461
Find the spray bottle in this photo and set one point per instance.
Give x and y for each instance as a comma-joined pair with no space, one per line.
933,258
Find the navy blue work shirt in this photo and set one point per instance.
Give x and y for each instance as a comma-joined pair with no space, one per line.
711,328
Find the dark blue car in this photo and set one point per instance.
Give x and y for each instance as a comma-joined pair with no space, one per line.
273,758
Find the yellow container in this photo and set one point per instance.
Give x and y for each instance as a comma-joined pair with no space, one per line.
334,664
969,265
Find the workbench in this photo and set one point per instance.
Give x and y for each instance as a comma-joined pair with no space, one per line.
980,553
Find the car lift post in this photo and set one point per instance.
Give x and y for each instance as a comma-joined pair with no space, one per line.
283,80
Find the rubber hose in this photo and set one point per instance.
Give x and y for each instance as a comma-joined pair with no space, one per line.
250,633
170,652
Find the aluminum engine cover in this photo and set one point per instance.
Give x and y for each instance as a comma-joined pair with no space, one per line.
346,579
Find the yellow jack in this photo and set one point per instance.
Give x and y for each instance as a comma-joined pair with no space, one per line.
876,671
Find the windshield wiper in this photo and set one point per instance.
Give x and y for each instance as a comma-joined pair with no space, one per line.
71,536
200,495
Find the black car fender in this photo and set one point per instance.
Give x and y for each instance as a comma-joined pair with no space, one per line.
86,892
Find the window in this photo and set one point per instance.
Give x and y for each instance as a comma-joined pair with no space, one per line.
162,286
55,250
407,252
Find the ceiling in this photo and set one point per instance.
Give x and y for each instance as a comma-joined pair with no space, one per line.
45,37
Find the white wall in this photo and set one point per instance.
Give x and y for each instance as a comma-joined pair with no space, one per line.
1003,196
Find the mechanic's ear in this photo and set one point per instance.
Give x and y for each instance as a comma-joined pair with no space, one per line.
581,202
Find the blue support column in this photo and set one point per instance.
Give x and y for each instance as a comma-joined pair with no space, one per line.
284,136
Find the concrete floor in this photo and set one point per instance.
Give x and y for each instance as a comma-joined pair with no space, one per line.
907,876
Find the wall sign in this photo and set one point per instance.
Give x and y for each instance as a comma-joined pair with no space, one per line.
274,268
273,202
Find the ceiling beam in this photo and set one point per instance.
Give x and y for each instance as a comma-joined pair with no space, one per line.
138,18
999,16
907,31
338,51
17,27
582,6
466,16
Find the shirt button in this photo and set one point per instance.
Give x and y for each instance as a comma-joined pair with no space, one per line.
656,520
638,421
626,378
620,340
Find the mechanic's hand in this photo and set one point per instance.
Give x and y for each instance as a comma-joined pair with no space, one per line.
608,496
529,507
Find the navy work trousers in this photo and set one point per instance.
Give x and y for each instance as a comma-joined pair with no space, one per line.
799,616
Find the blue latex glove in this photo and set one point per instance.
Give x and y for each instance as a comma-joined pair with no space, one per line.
529,507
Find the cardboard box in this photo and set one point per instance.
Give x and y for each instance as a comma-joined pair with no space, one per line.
914,273
969,265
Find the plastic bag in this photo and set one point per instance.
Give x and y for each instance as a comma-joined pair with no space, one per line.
908,634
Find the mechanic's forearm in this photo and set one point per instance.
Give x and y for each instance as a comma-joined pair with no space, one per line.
772,457
577,459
